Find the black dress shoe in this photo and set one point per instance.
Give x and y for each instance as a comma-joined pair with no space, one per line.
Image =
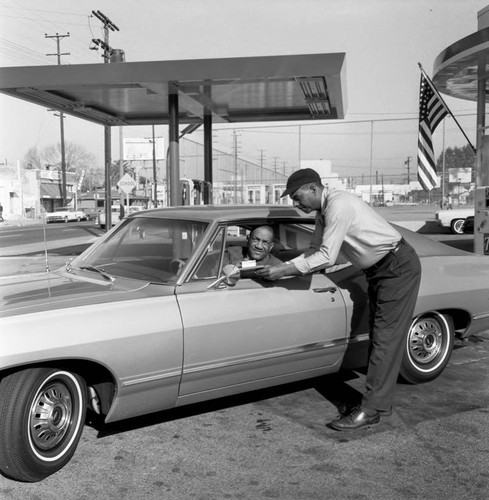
355,420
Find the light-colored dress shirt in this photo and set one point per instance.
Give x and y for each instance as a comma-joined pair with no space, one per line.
347,230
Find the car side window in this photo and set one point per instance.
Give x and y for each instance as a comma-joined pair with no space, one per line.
209,265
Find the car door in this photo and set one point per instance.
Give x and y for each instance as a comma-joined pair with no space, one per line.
259,333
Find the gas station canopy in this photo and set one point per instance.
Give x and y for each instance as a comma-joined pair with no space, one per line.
455,71
231,90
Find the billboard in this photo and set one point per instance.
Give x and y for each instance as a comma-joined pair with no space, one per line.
141,148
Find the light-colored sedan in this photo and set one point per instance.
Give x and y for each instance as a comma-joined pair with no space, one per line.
453,218
149,318
66,214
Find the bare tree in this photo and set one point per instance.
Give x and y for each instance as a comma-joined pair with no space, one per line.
32,159
94,178
77,158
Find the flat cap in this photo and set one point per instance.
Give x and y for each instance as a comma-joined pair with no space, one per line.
299,178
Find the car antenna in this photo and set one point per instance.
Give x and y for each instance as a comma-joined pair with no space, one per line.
46,258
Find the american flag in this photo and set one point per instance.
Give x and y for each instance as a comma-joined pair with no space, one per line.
432,110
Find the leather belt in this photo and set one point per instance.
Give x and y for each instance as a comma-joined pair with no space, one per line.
385,257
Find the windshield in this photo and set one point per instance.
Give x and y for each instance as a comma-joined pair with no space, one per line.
149,249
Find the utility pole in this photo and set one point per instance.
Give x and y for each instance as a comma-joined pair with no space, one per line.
155,187
235,161
407,163
262,158
383,192
61,118
108,26
275,158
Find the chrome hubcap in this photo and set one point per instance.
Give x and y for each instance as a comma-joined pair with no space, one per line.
425,341
50,416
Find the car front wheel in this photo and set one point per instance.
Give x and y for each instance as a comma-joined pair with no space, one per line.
42,414
428,348
457,226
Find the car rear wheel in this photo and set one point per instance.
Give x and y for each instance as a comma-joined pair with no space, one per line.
457,226
42,414
428,348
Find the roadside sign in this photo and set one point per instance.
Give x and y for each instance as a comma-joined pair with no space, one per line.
127,183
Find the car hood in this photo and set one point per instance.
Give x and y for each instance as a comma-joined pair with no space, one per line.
60,289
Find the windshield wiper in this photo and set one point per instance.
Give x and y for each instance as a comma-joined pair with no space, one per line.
107,276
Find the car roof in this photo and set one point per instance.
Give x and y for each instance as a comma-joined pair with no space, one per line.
210,213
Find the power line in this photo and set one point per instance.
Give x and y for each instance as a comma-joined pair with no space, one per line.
46,20
17,51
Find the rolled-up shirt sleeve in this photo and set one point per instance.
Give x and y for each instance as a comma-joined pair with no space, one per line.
330,230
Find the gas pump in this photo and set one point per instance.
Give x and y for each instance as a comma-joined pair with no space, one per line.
481,221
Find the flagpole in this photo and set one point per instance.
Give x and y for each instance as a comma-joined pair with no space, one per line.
445,104
443,171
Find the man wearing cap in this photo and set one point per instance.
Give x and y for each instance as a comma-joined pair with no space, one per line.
348,229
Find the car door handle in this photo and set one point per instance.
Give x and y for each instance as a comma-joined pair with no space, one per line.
330,289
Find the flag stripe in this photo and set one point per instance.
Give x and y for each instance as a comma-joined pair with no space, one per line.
432,110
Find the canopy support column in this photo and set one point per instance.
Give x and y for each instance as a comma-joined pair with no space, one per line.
108,187
208,157
173,179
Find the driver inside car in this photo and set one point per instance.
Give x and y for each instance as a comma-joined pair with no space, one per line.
258,248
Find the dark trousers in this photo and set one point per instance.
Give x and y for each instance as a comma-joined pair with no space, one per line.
393,285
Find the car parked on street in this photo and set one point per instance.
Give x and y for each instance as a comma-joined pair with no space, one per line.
453,218
65,214
149,318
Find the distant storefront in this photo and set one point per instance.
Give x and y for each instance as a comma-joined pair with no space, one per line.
51,191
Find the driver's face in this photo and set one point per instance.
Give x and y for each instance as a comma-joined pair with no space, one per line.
260,243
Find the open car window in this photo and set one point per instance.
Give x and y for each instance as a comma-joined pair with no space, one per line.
144,248
290,240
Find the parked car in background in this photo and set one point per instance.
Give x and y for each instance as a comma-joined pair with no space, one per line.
116,214
150,318
453,218
65,214
468,226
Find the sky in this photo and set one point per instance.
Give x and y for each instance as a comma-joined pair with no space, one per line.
383,40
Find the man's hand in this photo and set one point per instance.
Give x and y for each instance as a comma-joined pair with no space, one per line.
273,273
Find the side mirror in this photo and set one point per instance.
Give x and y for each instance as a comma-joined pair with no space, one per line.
230,276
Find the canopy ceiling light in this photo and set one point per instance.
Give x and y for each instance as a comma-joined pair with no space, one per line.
54,100
64,104
316,95
102,115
